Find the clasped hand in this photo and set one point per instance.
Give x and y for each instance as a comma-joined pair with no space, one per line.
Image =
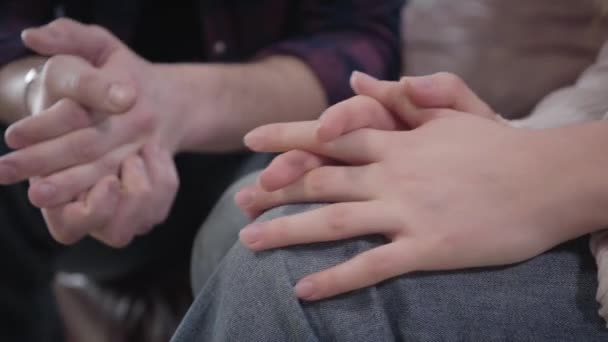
98,149
423,162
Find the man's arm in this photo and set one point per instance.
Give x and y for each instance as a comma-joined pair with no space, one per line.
294,79
224,102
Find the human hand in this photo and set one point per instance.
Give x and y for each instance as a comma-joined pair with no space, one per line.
70,158
88,151
459,191
380,105
117,209
403,200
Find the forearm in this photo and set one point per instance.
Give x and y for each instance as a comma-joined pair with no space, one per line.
224,102
12,88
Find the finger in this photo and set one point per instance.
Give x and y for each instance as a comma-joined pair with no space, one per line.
63,117
324,184
355,113
132,215
70,223
366,269
441,90
330,223
74,78
165,180
446,90
289,167
68,37
392,95
62,187
361,146
79,147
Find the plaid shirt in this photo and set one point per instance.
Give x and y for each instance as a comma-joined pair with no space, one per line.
334,37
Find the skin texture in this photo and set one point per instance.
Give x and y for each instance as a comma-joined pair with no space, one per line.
121,112
460,189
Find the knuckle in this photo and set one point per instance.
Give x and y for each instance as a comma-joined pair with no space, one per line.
51,67
379,267
337,219
365,103
60,26
375,170
61,23
315,181
118,236
373,142
81,83
171,181
279,232
98,30
107,166
76,116
63,233
118,241
85,148
453,81
143,122
158,217
279,229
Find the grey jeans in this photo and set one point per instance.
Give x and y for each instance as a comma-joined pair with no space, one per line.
246,296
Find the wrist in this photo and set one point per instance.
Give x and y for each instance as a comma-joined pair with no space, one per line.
197,90
580,177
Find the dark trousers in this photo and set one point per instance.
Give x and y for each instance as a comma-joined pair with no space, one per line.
29,257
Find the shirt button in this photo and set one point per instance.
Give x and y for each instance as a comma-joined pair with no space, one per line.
219,47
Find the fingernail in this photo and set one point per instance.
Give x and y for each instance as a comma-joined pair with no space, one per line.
362,76
252,139
120,95
8,174
24,33
354,76
251,234
305,289
245,197
46,190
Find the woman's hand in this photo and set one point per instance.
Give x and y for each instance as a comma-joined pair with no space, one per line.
380,105
458,191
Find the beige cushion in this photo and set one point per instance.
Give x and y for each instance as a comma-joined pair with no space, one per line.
511,52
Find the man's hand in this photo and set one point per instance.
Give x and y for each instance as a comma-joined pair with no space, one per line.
73,144
118,209
72,157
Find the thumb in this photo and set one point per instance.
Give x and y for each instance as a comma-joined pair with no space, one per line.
408,97
67,76
391,95
68,37
446,90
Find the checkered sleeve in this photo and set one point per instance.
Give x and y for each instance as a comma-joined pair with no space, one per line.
336,38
